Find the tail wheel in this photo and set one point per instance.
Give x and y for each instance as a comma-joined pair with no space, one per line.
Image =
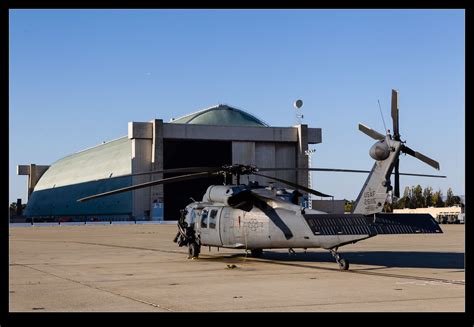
344,264
193,250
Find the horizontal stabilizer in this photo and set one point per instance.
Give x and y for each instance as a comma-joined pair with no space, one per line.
383,223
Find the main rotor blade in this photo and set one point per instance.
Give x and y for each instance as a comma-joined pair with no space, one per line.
396,134
370,132
148,184
169,171
317,169
420,156
422,175
344,171
396,191
180,170
301,187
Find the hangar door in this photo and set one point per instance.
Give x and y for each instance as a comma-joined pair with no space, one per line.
191,153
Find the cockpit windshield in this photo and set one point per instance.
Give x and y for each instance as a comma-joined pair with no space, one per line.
191,215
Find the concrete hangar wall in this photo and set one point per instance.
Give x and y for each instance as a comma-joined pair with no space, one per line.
211,137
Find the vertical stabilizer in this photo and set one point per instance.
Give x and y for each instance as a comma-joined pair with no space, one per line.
373,195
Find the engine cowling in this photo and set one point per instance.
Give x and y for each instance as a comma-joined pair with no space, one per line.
218,193
380,150
234,196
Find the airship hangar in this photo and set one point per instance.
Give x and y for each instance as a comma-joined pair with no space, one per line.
211,137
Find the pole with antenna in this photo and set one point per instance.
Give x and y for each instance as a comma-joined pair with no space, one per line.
299,115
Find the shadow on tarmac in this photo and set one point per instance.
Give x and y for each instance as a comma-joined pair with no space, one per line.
400,259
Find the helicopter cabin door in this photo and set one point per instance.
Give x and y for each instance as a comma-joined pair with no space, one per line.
210,226
230,226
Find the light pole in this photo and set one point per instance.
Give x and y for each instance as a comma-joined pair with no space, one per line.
309,153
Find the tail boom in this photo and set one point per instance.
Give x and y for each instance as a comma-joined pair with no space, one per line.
380,223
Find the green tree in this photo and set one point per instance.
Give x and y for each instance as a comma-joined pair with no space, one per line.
438,199
428,196
457,200
411,199
348,205
404,201
449,198
417,194
13,208
397,203
388,207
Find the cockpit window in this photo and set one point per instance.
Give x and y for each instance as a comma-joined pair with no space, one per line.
204,219
193,216
212,218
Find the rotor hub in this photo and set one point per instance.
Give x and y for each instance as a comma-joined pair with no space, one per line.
238,169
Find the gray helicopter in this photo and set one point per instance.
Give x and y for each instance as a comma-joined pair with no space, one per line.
254,217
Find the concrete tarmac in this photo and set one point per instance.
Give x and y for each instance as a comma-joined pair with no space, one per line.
137,268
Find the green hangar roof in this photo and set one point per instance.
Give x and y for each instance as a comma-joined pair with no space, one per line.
78,175
222,115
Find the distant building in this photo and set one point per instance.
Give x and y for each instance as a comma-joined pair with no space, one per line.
329,206
211,137
443,215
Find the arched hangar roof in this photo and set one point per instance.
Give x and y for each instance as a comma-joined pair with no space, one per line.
222,115
81,174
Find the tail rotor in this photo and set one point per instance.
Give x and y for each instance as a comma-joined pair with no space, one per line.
396,137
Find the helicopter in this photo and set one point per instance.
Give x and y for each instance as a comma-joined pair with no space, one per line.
254,217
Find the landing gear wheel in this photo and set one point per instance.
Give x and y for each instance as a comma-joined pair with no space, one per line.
193,250
256,253
344,264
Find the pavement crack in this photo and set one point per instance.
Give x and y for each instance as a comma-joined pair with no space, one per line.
108,245
100,289
341,303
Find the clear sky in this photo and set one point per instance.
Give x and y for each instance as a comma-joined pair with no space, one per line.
78,76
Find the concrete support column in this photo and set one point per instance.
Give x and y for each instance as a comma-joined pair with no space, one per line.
265,158
34,173
157,192
285,154
141,135
301,157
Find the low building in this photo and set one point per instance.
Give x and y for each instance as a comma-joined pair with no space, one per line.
443,215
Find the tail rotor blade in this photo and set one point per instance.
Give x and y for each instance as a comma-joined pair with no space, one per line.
396,134
370,132
422,157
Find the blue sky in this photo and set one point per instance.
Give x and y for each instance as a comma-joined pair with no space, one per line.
78,76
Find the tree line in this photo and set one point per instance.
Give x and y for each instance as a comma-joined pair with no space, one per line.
417,197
